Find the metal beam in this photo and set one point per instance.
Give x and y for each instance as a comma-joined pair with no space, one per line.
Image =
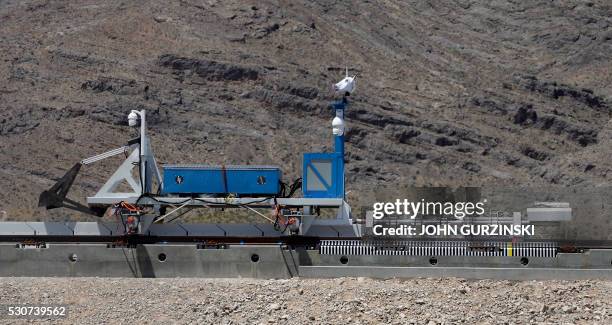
218,202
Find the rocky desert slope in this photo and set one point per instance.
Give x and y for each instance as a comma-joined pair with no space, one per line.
308,301
450,92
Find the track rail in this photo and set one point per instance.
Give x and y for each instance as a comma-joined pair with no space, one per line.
285,257
354,245
139,239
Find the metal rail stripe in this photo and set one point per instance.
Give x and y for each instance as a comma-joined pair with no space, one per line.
436,248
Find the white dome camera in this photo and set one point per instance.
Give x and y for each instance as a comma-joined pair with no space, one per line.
337,126
133,118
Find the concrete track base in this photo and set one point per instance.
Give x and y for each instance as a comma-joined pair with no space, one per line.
274,261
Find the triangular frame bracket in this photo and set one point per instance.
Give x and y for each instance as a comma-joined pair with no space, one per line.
123,173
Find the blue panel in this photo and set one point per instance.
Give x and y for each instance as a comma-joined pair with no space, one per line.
218,180
323,175
178,179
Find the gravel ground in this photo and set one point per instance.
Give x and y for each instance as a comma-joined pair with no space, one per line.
299,301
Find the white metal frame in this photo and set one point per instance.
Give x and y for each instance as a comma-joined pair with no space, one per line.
141,193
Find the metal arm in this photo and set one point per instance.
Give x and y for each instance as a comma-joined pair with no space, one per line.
55,197
105,155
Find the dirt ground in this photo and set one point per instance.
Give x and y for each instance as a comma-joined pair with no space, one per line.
314,301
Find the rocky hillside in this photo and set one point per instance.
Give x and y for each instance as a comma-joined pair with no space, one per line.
450,92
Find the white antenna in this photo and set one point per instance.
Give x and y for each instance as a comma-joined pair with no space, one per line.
345,86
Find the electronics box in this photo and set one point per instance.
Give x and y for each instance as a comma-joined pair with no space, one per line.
221,180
